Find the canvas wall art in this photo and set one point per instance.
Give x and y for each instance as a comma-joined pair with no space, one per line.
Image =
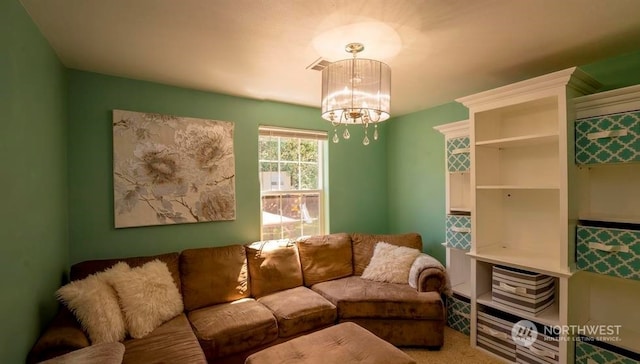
171,170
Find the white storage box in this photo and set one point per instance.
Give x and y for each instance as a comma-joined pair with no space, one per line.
521,290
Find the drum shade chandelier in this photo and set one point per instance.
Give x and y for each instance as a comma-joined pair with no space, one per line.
356,91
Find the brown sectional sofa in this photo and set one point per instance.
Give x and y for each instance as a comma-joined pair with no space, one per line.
241,299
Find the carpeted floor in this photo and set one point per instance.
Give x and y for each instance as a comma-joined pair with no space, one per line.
456,349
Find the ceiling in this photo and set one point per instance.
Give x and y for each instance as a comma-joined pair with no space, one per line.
438,50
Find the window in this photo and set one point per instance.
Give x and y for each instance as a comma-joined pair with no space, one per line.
291,166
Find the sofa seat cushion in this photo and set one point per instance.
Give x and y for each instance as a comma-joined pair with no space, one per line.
171,342
233,327
360,298
299,309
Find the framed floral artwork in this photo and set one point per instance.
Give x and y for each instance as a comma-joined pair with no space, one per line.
171,170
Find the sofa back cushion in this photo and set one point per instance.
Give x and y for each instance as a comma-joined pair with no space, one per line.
84,269
274,266
364,244
325,257
213,275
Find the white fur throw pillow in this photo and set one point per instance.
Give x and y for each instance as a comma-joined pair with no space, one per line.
148,297
390,263
95,304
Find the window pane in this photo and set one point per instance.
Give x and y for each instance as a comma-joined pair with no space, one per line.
272,232
310,215
289,149
309,150
268,148
290,216
271,217
271,206
270,179
290,174
309,176
291,207
268,166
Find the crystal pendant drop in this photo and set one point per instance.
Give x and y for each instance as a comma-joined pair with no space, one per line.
335,138
346,135
375,132
365,141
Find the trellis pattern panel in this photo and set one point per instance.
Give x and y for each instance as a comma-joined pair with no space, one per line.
458,154
614,252
458,315
458,233
610,138
588,354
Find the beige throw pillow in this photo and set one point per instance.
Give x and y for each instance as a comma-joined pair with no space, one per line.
148,297
94,303
364,244
390,263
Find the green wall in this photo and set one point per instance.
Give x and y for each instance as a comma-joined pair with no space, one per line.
416,157
56,157
33,217
616,72
416,174
357,174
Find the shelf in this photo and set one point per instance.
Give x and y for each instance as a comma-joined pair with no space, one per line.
453,210
523,259
610,218
520,141
605,300
463,289
516,187
549,317
610,193
608,165
452,248
630,339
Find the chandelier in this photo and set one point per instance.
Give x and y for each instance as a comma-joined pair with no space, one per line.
356,91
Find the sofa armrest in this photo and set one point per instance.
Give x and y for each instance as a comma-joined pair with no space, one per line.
428,274
431,280
62,336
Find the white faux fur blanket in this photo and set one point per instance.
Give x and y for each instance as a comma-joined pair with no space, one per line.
422,262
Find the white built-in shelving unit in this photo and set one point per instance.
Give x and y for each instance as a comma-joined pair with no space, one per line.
458,203
552,187
523,214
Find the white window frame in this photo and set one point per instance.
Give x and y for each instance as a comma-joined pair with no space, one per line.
271,131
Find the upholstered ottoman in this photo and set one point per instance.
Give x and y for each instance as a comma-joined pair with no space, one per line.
342,343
